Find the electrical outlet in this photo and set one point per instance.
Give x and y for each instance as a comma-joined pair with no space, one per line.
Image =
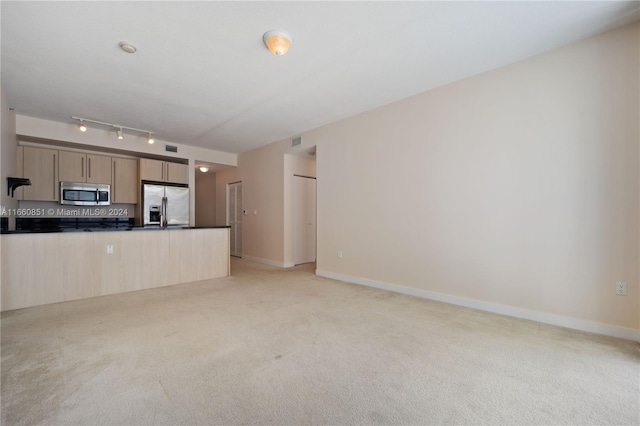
621,288
340,254
109,249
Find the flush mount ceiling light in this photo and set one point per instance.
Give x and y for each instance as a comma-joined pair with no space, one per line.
204,169
277,41
119,128
127,47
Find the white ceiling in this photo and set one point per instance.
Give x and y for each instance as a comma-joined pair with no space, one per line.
202,75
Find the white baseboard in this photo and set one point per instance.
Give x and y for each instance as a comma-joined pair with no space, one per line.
545,318
268,262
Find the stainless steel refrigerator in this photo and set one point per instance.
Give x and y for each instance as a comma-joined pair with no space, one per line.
165,205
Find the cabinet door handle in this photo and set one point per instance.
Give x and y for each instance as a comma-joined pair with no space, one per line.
113,180
82,169
54,177
89,168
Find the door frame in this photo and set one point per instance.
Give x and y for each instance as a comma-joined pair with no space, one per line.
228,186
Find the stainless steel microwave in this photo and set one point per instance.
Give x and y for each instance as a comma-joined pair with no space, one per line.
85,194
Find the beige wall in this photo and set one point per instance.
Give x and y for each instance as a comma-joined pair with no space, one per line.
262,172
205,199
7,151
517,187
8,144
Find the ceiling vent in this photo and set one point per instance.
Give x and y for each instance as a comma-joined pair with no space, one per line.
171,148
296,141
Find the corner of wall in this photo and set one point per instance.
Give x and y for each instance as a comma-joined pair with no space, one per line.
8,148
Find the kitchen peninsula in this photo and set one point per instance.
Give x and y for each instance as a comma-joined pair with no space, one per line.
49,267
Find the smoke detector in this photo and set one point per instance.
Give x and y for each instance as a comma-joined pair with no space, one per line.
127,47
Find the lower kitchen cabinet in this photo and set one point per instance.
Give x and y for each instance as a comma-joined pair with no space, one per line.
76,265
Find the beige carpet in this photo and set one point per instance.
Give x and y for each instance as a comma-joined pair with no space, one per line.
272,346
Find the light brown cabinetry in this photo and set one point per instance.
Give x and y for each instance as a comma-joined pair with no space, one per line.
99,169
80,167
152,169
124,188
40,165
75,265
163,171
177,173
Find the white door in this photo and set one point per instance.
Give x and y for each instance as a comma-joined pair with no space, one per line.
304,219
234,217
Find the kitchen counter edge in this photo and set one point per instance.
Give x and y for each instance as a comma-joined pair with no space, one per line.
131,228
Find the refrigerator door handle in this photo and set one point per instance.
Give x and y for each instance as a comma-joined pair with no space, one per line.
164,212
161,212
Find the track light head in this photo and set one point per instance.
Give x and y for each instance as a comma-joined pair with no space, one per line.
119,133
150,138
81,126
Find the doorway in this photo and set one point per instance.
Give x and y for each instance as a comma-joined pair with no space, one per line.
304,219
234,217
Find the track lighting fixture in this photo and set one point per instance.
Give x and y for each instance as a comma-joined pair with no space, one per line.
119,129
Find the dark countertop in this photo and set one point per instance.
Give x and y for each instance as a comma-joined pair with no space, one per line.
85,224
110,229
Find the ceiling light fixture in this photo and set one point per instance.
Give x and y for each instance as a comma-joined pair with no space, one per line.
127,47
119,129
277,41
204,169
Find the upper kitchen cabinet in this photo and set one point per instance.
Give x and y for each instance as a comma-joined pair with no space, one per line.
152,170
124,188
80,167
40,165
177,173
163,171
99,169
